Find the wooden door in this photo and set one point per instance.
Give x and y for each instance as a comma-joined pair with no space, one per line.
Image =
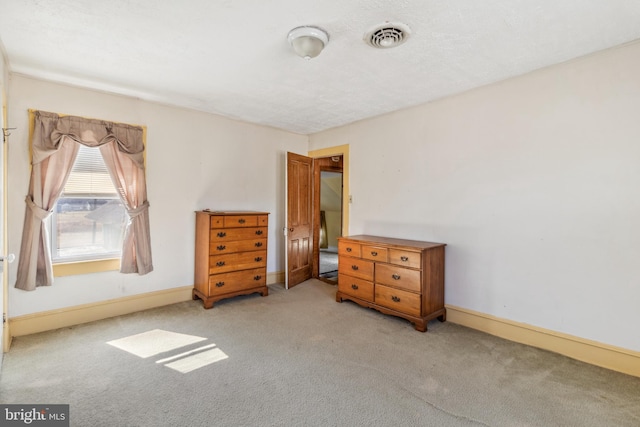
299,222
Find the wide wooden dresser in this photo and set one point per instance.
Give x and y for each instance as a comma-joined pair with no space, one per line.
403,278
231,255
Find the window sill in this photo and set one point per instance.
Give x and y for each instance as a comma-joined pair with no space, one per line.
85,267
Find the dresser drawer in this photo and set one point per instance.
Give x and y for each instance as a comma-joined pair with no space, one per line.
349,249
237,281
237,261
399,300
356,287
216,221
405,258
222,221
398,277
218,248
226,235
355,267
240,221
375,253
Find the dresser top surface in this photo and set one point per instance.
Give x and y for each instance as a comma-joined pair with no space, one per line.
210,212
364,238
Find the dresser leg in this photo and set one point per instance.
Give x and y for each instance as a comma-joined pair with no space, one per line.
443,317
420,326
207,304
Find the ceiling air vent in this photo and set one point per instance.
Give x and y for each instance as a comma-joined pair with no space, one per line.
387,35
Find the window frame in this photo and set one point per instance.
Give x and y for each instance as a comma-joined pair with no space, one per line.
85,267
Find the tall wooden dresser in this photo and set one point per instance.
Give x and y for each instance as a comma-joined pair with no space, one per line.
231,254
404,278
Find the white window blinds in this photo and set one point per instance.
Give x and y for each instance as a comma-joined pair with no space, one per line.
89,176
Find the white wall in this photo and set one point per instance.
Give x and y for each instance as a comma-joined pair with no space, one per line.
534,184
194,161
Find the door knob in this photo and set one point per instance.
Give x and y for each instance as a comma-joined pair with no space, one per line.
10,258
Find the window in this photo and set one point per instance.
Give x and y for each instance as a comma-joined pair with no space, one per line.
122,146
88,219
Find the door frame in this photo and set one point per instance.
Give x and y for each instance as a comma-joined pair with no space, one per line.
4,280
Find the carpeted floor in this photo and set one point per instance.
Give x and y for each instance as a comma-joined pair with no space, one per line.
328,263
298,358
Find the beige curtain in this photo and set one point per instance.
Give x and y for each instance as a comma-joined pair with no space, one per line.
54,149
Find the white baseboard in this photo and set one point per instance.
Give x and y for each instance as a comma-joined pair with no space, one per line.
69,316
592,352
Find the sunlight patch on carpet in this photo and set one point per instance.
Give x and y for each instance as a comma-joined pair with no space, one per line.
154,342
157,341
197,360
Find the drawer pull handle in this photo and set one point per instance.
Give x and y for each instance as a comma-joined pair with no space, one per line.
395,298
221,247
354,287
257,277
396,277
354,267
220,263
258,244
374,253
241,221
348,249
222,234
220,284
258,258
259,232
404,258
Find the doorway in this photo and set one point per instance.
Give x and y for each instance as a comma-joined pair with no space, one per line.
330,224
328,215
303,192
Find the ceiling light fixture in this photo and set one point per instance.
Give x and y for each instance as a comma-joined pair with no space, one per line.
307,41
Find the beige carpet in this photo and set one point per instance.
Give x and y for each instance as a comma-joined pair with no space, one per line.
328,264
298,358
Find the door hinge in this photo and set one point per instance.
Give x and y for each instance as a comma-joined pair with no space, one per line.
4,318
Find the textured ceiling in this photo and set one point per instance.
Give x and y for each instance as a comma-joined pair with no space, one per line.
232,57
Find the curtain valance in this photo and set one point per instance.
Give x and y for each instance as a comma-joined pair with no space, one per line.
51,128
